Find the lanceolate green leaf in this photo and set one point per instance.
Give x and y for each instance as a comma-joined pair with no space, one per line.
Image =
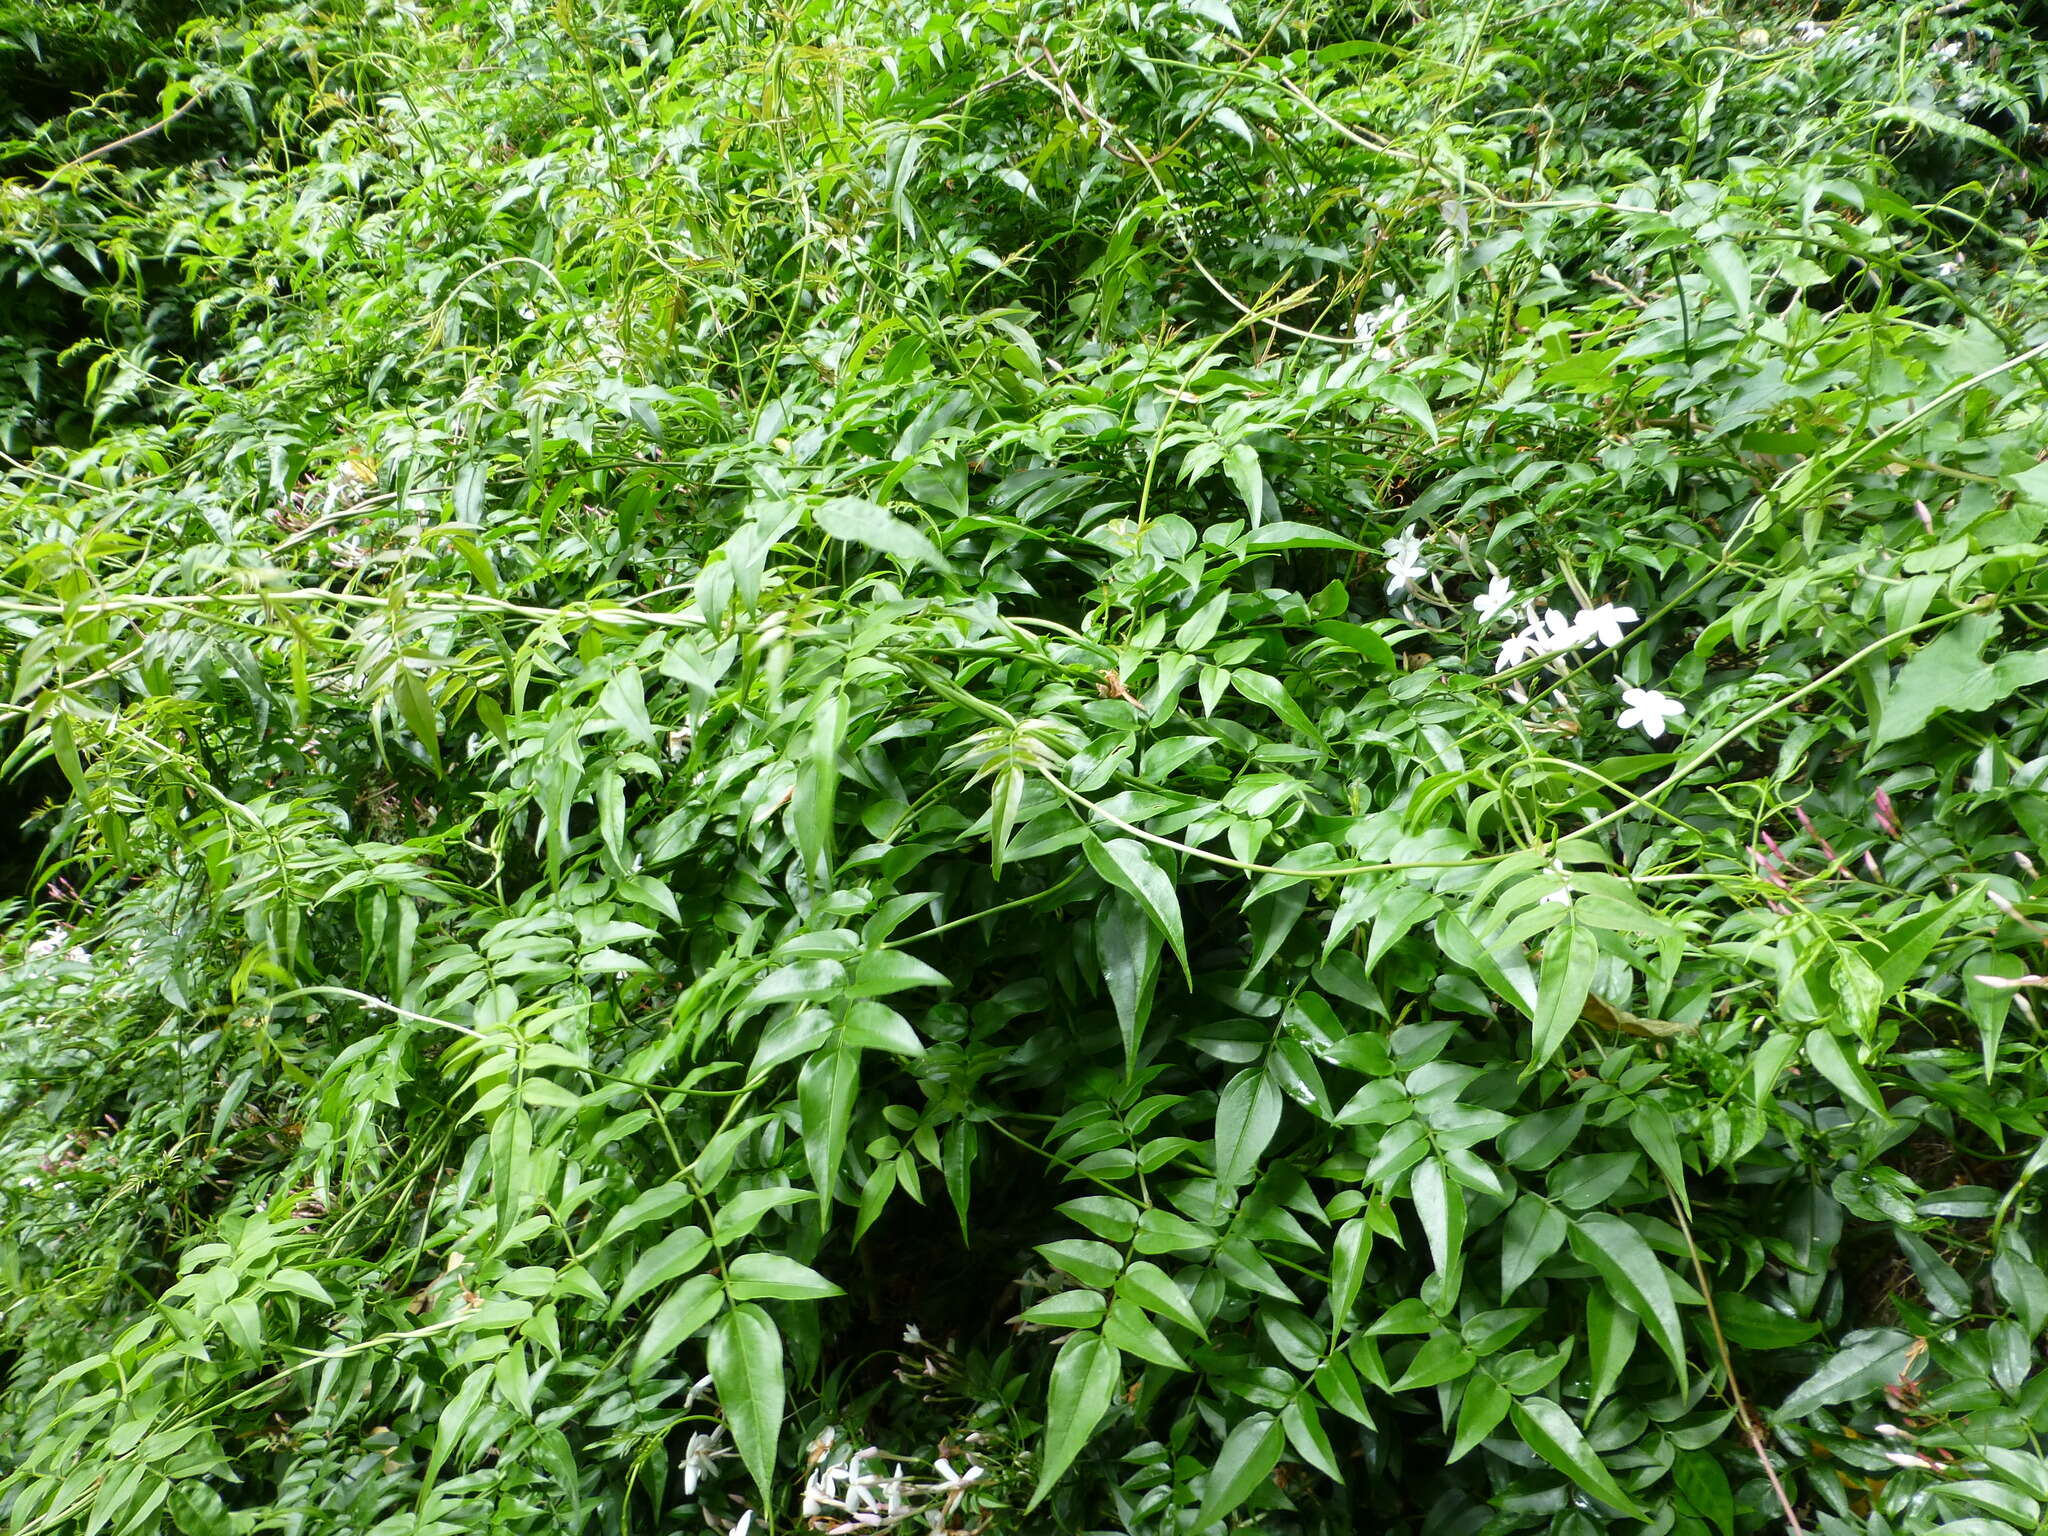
746,1372
1550,1432
1084,1379
677,1254
1249,1454
1569,954
1632,1271
685,1311
862,522
1247,1116
1127,864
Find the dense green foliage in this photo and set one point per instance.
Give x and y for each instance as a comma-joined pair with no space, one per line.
1067,766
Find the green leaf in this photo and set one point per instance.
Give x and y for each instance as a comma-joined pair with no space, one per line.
1304,1426
1440,1203
1703,1484
1247,1115
1860,1368
1611,1331
1247,1458
1549,1431
873,1026
416,708
858,521
1408,400
1154,1290
1348,1258
746,1372
1084,1380
1127,945
1263,688
1443,1358
1949,673
1753,1325
1535,1230
299,1283
1839,1068
817,784
885,971
198,1510
1631,1270
1241,465
1067,1309
775,1277
1368,643
1725,267
686,1309
1128,865
1130,1330
825,1094
1275,537
1483,1406
1569,955
678,1253
1091,1263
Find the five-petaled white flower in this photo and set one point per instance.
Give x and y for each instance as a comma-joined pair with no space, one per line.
954,1482
1514,650
1602,624
1649,709
1498,594
1550,632
1404,561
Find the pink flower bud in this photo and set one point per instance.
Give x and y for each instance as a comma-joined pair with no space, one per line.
1813,832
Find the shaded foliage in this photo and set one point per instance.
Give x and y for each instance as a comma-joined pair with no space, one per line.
1045,767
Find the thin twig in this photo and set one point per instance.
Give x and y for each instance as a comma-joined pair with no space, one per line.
1742,1413
121,143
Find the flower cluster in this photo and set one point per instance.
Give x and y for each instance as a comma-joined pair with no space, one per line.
845,1497
1550,633
1405,567
1545,633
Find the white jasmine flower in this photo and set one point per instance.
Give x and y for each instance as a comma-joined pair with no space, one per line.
745,1524
1947,50
1405,566
955,1482
1810,31
1514,650
1498,594
1602,624
699,1459
1550,632
1909,1459
1948,269
1561,897
1649,709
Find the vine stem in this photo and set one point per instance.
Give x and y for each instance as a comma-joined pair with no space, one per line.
1670,781
1742,1413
